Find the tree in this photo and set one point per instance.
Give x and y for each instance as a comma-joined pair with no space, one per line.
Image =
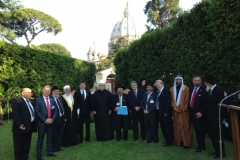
121,43
10,6
55,48
160,13
29,23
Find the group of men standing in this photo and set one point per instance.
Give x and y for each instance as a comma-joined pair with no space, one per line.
62,117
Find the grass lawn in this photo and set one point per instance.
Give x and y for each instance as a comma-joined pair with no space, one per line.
124,150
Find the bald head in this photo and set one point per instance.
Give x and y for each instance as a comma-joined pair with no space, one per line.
27,93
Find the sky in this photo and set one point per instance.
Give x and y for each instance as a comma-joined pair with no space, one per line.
84,22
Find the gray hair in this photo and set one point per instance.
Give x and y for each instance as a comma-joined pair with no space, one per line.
133,82
159,80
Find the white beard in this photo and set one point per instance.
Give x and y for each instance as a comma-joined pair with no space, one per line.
208,88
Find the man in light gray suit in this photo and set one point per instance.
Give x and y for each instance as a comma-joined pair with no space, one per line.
46,111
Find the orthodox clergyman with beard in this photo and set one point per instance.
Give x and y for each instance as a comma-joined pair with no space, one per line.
181,123
102,110
213,98
71,111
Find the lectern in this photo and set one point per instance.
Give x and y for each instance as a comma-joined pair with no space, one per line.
235,129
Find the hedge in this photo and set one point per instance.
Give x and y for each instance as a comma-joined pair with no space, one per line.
25,67
204,40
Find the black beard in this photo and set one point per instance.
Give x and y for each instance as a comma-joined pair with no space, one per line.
178,84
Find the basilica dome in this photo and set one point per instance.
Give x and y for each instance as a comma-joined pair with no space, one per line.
126,27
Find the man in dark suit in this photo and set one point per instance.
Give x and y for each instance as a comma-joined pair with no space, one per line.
214,96
83,97
134,99
164,112
59,121
121,121
148,107
23,124
46,111
196,107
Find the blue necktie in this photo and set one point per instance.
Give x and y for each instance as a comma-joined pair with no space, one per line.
31,110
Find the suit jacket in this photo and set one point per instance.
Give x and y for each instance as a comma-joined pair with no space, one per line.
59,119
84,105
198,105
150,106
132,100
41,110
165,101
22,116
116,100
212,101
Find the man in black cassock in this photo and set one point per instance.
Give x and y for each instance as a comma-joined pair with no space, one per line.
102,110
121,121
70,136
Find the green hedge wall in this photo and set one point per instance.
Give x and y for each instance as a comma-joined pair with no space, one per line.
205,40
25,67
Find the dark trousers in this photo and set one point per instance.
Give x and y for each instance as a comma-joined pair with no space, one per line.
84,118
150,125
138,116
213,131
57,135
41,134
198,125
21,143
167,128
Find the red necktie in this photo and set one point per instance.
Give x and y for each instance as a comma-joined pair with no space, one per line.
48,108
193,97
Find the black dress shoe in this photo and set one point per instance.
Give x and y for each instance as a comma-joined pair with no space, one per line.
51,155
199,150
167,145
39,159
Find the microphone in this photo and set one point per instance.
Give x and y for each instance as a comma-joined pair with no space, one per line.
219,119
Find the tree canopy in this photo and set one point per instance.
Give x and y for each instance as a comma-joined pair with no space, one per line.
55,48
28,22
160,13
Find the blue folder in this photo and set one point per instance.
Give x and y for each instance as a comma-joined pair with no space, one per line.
122,110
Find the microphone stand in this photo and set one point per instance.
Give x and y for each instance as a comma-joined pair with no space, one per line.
220,128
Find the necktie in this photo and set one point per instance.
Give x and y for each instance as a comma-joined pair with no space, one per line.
120,99
157,103
31,110
135,93
48,108
83,94
193,97
60,107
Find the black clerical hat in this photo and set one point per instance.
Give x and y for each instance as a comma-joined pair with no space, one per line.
119,86
210,79
55,88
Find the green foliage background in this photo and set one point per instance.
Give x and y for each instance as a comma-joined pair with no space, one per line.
203,41
25,67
